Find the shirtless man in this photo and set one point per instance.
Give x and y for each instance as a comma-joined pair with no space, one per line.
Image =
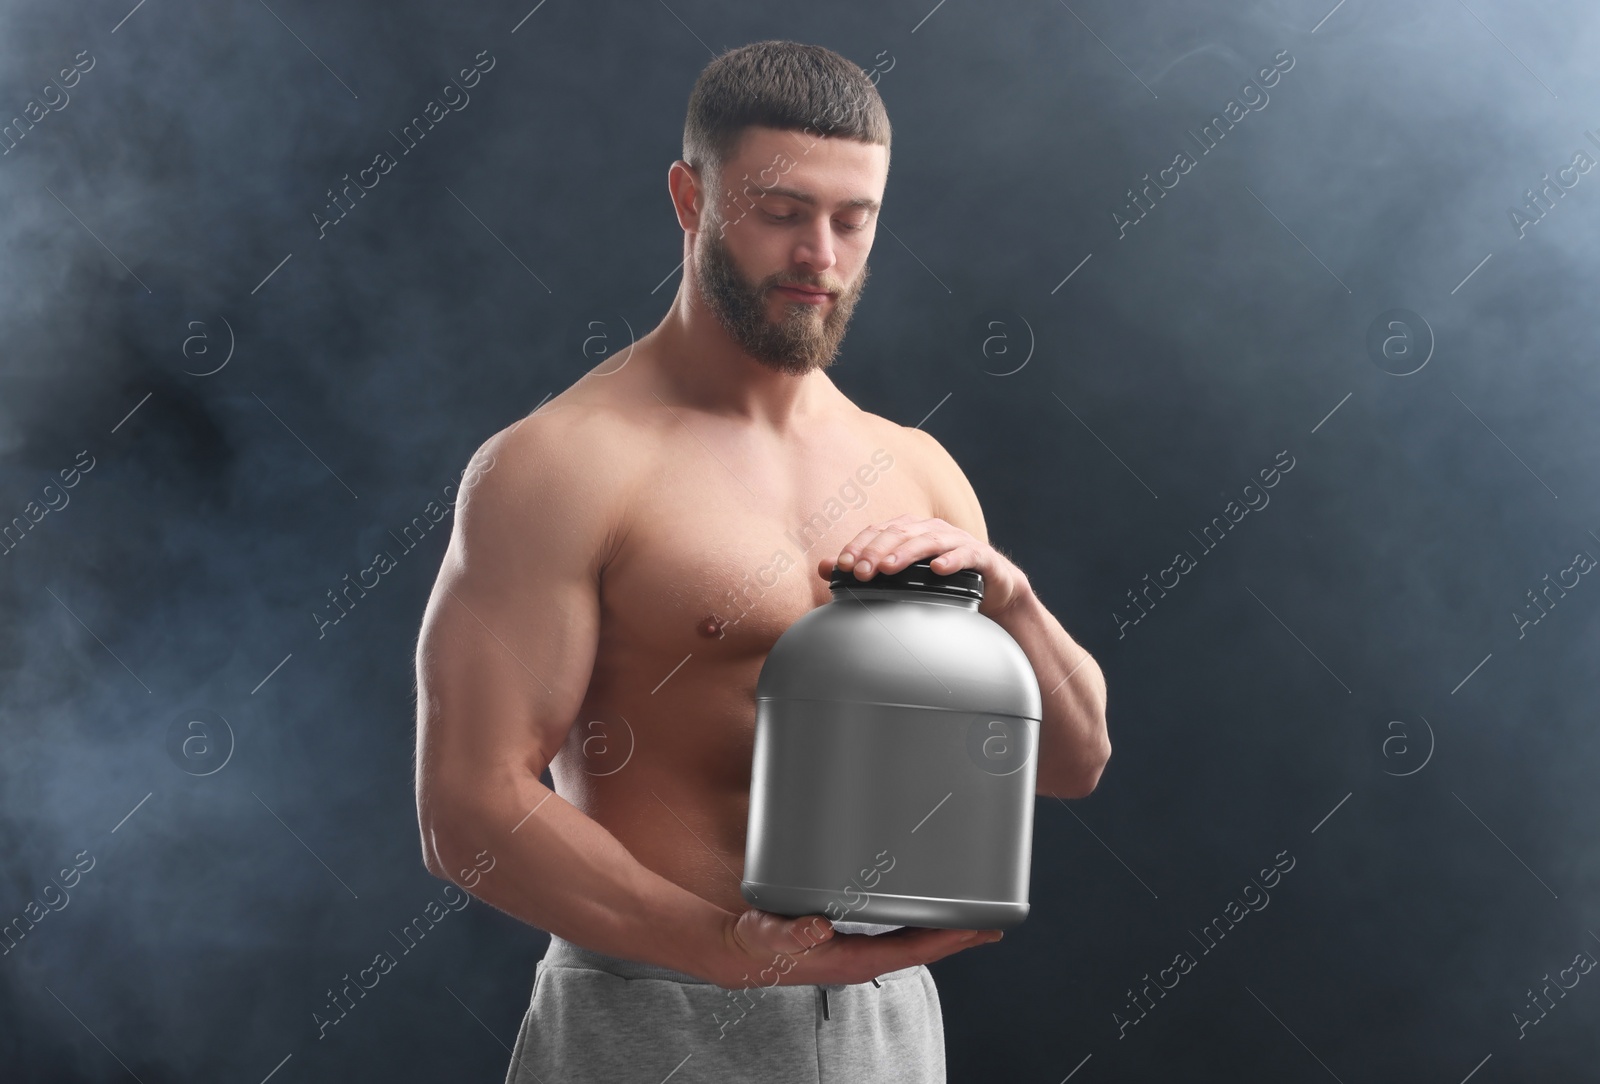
597,612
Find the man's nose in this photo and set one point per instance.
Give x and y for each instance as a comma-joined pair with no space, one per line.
814,250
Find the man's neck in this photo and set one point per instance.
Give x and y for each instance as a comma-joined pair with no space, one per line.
698,365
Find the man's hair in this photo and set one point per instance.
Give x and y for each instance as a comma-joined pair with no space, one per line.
778,84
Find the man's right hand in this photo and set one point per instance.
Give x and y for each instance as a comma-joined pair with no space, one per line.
766,949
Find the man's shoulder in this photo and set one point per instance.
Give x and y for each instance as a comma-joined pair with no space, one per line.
920,452
580,439
569,463
924,458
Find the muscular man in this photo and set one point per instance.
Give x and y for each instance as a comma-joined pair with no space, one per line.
621,562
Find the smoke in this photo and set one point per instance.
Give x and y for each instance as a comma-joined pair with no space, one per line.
270,394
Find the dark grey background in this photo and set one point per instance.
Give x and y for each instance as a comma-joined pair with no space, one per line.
1249,709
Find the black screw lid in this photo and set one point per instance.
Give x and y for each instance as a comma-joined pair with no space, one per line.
917,576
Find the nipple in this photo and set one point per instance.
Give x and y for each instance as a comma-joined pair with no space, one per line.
711,626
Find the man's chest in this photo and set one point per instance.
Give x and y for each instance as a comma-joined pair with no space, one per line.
711,565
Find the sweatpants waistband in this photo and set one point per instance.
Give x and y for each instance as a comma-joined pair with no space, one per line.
564,953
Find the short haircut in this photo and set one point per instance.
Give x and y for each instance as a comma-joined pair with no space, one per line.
778,84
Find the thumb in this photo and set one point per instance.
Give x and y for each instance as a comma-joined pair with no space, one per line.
809,930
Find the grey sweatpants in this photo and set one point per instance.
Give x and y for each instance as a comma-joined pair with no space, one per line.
596,1019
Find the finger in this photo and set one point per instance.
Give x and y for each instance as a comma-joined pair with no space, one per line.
981,937
857,958
865,558
852,549
954,559
908,551
763,933
902,948
888,953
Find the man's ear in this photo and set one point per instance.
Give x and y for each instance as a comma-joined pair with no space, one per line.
688,195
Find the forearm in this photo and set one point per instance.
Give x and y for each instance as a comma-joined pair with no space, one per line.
559,870
1073,742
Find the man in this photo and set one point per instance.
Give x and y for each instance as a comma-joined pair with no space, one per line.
614,583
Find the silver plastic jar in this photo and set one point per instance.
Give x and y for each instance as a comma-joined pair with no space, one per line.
895,761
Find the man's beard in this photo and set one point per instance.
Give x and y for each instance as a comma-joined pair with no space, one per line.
799,341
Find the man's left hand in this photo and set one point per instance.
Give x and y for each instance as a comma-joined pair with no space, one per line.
893,544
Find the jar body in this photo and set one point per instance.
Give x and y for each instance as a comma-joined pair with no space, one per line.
895,766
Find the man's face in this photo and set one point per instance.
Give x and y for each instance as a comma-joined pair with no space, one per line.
790,219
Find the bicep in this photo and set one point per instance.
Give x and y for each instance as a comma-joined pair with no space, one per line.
509,637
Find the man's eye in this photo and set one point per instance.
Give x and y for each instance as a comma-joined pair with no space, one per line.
848,227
